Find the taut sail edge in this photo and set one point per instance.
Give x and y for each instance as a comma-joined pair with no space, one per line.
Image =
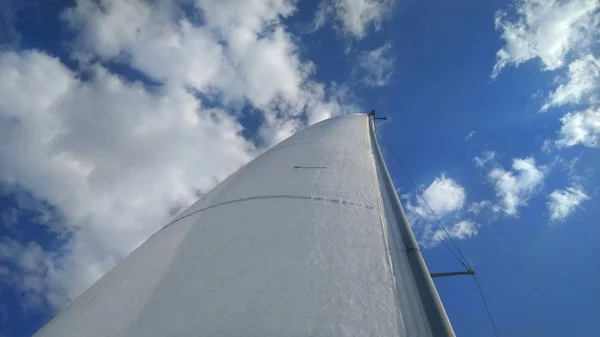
436,314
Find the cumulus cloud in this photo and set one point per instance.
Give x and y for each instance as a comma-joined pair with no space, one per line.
376,67
91,149
558,33
117,158
353,17
257,64
561,203
444,195
545,29
447,199
581,127
485,157
515,187
581,85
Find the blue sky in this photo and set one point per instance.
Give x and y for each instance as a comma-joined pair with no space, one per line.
115,117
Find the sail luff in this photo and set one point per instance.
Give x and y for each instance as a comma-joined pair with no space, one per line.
436,314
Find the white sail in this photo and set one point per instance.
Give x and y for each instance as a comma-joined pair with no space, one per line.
303,241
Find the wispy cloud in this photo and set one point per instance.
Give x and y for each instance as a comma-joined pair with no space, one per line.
354,17
484,158
9,14
558,33
580,86
477,207
29,274
376,67
547,145
461,230
447,199
581,127
562,203
469,136
515,187
545,29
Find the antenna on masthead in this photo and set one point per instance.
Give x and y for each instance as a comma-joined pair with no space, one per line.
384,113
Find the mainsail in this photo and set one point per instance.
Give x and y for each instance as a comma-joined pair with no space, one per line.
308,239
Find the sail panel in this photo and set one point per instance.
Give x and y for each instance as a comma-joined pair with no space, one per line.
299,242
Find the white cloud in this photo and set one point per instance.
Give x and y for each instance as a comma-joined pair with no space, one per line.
90,147
444,195
30,274
461,230
516,187
561,203
547,146
478,207
447,198
581,127
242,54
569,167
376,67
581,85
354,17
485,157
9,249
469,136
545,29
559,33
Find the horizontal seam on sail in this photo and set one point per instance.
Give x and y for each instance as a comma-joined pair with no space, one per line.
335,201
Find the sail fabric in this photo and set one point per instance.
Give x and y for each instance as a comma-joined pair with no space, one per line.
299,242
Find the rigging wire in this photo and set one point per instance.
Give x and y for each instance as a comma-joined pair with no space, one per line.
487,309
436,234
465,263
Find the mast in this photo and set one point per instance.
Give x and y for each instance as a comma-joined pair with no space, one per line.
440,324
308,239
